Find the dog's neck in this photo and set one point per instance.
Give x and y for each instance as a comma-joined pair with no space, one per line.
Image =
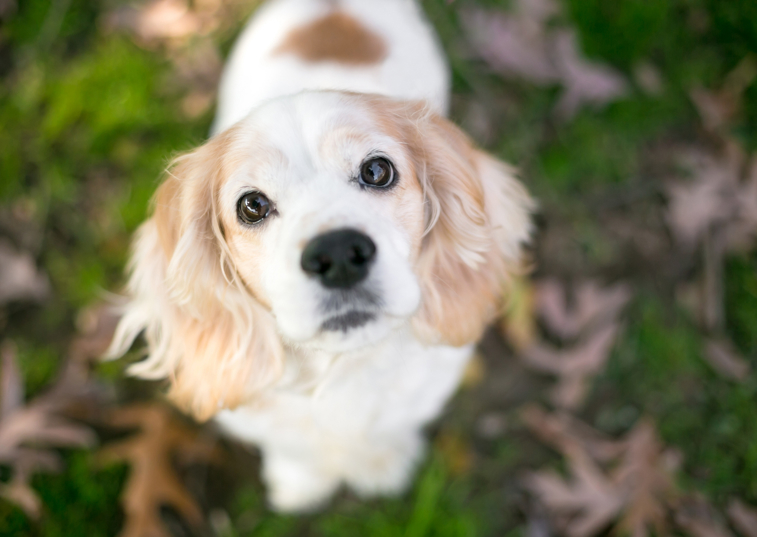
307,367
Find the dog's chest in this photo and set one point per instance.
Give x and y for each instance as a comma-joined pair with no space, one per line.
397,384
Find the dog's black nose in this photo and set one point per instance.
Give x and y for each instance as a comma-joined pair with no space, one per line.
339,259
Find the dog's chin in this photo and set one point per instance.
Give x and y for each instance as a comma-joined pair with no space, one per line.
350,331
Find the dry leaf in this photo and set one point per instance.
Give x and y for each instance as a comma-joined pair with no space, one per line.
7,8
491,425
456,452
725,359
475,371
743,517
182,30
592,304
648,78
35,424
587,503
574,366
593,314
586,82
518,320
718,109
153,481
522,44
564,433
722,193
698,518
157,21
514,45
646,471
708,198
19,277
742,229
627,483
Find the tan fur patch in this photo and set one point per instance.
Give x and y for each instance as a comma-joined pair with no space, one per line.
336,37
482,217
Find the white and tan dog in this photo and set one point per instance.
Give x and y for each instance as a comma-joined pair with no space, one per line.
316,275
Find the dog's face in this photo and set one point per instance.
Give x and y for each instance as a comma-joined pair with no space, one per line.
323,214
326,221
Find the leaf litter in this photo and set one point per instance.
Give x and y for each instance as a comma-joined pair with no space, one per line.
715,210
19,277
29,433
525,44
588,328
184,33
153,481
626,483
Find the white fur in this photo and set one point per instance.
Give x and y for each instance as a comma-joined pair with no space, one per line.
414,68
332,408
351,418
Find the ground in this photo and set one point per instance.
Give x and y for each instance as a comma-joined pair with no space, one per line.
90,116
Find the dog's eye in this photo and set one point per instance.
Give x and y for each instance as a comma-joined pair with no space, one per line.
377,172
253,207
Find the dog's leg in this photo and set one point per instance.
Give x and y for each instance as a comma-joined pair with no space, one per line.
296,484
386,466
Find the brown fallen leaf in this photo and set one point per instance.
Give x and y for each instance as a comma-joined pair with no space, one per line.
564,433
646,469
7,8
627,484
592,304
698,518
574,366
523,44
587,503
475,372
19,277
585,81
648,78
184,32
514,44
741,233
456,451
30,432
718,109
153,482
711,196
743,517
157,21
725,359
519,318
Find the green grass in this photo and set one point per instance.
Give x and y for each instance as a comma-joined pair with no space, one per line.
89,123
437,507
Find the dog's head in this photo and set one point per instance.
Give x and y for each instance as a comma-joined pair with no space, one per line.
325,220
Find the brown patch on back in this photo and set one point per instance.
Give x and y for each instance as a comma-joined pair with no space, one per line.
336,37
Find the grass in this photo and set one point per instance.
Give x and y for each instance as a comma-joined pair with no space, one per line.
89,122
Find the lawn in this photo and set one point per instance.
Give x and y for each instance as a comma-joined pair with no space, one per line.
91,112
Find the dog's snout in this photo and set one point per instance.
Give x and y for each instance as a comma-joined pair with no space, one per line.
339,259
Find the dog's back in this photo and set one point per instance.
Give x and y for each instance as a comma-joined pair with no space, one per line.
365,46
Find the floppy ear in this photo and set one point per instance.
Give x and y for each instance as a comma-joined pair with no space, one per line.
479,216
204,330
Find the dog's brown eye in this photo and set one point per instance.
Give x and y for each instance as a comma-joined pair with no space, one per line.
377,172
253,207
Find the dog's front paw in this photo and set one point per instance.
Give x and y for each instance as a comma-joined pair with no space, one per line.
294,487
386,470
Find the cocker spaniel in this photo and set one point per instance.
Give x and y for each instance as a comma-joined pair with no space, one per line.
316,275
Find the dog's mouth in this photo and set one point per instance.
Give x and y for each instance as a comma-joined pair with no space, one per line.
350,309
345,322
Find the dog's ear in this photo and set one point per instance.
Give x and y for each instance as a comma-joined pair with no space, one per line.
479,217
205,332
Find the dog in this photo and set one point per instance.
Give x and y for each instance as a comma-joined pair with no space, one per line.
316,275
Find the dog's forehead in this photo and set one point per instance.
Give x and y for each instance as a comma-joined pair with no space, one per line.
321,129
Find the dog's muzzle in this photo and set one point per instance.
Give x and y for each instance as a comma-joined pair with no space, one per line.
339,259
